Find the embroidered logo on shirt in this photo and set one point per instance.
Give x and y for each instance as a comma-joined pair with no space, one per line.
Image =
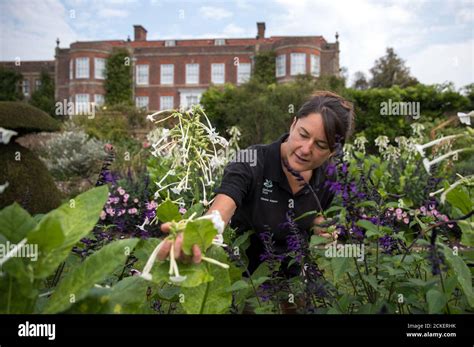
268,183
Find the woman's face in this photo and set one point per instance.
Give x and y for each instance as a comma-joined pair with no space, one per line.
306,147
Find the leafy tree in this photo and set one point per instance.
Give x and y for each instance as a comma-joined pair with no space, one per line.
390,70
265,67
43,97
118,78
9,80
360,81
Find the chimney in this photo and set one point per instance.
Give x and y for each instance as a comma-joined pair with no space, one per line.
260,30
140,33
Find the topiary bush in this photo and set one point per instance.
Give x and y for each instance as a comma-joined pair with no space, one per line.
25,178
29,182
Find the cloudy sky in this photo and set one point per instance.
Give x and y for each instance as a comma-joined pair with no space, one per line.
435,37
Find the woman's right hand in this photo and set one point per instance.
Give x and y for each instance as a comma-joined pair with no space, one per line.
178,251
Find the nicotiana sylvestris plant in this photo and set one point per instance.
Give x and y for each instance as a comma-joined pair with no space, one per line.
187,158
204,231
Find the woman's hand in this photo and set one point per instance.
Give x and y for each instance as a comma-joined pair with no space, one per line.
178,253
322,231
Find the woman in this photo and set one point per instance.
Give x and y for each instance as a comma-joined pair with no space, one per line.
288,179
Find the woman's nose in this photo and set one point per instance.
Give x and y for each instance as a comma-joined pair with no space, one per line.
306,148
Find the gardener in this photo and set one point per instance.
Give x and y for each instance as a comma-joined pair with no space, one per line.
260,196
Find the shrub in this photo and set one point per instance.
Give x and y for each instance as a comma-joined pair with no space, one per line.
24,118
73,153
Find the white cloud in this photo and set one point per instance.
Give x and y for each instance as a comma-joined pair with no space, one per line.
30,28
438,63
216,13
366,29
112,13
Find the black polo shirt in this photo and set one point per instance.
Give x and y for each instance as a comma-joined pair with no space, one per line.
263,196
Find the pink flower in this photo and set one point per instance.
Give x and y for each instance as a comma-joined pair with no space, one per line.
121,190
182,210
110,211
132,211
406,220
423,209
135,200
103,214
146,144
399,217
398,211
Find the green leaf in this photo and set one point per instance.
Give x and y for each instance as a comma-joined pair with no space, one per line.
196,274
94,270
15,223
318,240
198,232
436,301
339,266
459,198
168,211
372,229
211,297
196,208
76,219
462,273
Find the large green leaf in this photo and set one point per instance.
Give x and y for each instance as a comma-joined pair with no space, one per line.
167,212
436,301
459,198
462,273
15,223
196,274
211,297
62,228
199,232
94,269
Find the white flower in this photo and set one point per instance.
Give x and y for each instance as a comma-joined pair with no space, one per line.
219,241
177,279
216,219
381,142
142,227
3,187
176,190
465,118
360,142
6,135
417,128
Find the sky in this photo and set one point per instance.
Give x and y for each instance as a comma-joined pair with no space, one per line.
434,37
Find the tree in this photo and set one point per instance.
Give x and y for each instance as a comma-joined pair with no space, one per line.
360,81
390,70
265,67
43,97
118,78
9,80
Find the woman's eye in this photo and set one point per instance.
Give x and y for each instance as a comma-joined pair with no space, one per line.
303,136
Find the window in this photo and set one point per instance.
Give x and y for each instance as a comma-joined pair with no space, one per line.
99,99
315,65
37,84
82,67
243,72
298,63
281,65
82,103
192,73
99,68
170,43
142,74
71,69
166,103
26,87
142,102
167,74
189,97
218,73
219,42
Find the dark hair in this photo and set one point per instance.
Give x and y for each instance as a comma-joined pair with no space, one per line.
338,115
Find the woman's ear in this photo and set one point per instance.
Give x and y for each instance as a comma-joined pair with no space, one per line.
294,123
